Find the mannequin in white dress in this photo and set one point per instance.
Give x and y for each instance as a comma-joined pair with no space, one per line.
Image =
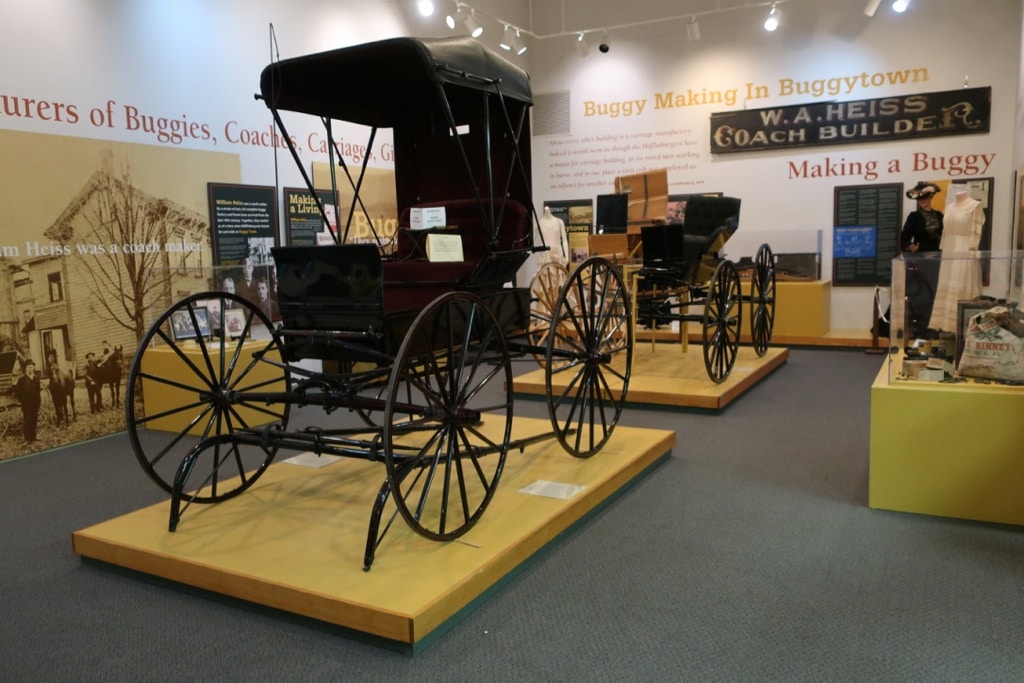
553,231
960,274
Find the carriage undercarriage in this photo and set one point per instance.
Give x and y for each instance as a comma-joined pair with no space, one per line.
436,402
720,302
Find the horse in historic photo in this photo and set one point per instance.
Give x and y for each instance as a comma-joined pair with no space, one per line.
108,372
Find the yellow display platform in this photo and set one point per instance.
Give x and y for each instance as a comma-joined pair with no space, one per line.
295,541
952,450
668,376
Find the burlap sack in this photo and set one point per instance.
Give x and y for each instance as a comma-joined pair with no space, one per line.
991,350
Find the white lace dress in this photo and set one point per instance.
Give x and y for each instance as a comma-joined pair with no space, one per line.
959,275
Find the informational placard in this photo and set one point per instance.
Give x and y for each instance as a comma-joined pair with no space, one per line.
303,223
243,220
578,217
855,241
444,248
865,234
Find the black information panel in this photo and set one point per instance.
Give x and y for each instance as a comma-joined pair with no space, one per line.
866,234
243,220
303,222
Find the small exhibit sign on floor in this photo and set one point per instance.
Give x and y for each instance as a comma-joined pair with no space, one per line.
552,489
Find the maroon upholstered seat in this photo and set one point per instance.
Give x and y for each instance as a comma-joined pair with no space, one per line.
411,281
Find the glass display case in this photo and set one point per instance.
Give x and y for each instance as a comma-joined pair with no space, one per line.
955,318
254,282
797,253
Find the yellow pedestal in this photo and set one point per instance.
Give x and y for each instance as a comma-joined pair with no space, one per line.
166,363
947,450
802,310
665,376
295,540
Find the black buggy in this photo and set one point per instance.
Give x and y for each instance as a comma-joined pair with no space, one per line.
683,269
420,350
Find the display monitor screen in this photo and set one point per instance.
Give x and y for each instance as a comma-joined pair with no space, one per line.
611,213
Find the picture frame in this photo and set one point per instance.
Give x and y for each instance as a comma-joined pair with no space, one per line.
234,322
213,307
182,327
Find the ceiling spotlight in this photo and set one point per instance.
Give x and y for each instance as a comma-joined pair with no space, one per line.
900,5
581,45
772,22
518,46
692,29
872,5
461,12
604,46
506,38
426,7
474,28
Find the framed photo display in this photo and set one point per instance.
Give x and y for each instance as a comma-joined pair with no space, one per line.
234,322
182,327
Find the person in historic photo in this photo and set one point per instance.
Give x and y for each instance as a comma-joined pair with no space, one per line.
57,387
27,391
105,353
246,285
265,302
227,285
92,382
920,241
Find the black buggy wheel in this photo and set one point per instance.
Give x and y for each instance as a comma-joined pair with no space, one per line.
184,388
589,356
723,314
544,290
443,459
762,300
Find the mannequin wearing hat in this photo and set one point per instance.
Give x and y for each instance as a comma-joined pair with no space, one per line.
922,230
920,242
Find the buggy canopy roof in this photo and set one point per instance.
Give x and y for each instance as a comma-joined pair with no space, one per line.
388,82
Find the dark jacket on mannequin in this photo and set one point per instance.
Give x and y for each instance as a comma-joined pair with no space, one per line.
915,230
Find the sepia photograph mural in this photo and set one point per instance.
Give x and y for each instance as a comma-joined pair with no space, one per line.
98,238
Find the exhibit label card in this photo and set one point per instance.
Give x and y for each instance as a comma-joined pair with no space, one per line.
444,247
311,459
552,489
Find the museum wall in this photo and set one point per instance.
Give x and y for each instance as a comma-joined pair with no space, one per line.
114,117
119,71
648,101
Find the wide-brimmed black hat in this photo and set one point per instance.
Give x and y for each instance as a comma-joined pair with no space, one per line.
923,189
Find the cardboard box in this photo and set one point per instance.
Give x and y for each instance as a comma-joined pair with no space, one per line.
613,246
648,197
430,217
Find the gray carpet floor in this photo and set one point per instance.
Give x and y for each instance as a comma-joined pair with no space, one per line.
749,555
